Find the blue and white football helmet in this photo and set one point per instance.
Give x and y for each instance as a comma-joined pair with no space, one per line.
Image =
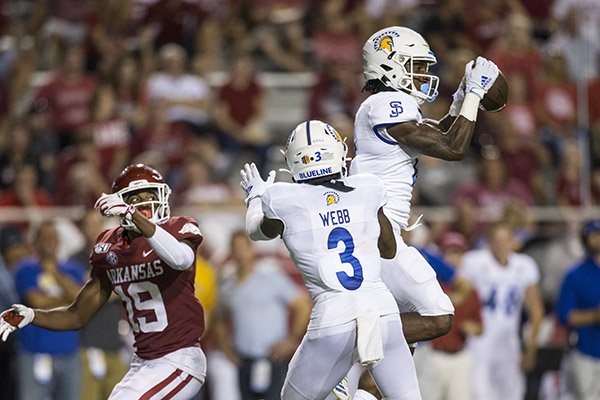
389,55
315,149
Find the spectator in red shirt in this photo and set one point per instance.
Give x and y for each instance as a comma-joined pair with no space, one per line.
172,140
113,30
240,113
59,22
79,167
130,87
175,21
493,188
515,51
69,94
108,131
525,158
555,104
569,183
25,191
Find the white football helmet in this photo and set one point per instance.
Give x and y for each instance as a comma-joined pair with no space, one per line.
315,149
390,54
140,177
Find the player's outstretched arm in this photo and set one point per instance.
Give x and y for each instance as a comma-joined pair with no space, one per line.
452,144
92,296
258,226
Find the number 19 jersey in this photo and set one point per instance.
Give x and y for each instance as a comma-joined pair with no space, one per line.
332,236
376,152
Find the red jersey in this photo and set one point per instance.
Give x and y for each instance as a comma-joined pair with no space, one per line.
69,100
161,307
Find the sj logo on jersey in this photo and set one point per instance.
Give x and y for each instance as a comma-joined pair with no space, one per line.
331,198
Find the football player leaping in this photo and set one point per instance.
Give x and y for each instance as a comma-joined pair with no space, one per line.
389,134
149,262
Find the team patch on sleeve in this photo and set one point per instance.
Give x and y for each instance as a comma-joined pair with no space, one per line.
101,248
190,228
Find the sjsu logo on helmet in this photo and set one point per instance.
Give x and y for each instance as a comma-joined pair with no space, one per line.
331,198
385,41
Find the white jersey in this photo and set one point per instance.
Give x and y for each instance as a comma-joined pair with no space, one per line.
332,237
376,152
501,289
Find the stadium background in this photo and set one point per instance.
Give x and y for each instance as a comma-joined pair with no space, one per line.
536,163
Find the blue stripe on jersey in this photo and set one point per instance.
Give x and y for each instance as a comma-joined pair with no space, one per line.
376,131
308,141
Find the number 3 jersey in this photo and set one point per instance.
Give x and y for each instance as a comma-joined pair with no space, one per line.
332,236
376,152
161,307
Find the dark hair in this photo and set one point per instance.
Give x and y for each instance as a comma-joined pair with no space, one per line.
10,235
375,86
590,227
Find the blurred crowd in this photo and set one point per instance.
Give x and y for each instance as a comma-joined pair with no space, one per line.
88,87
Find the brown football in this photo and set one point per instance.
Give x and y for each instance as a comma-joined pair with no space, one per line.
12,317
497,96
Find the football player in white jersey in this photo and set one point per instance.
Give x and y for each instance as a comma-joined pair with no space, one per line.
507,283
336,232
390,133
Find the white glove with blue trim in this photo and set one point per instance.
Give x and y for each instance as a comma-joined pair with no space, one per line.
252,183
480,75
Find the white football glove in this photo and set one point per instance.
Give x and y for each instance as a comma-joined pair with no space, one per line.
6,328
480,75
457,99
252,183
111,205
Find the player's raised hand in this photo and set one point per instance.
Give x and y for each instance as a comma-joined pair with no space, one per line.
252,183
111,205
14,318
480,75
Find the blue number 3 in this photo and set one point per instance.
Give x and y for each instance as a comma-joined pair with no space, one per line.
342,235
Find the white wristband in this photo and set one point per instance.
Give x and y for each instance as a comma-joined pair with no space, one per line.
470,107
176,254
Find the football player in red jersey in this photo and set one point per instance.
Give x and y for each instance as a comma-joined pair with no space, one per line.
149,262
